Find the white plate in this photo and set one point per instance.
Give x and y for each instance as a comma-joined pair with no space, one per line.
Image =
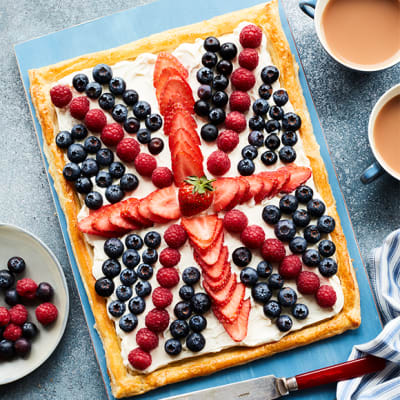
41,266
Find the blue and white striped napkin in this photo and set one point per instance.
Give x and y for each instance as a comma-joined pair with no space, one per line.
383,385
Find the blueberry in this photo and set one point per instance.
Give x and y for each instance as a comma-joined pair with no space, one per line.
201,108
44,292
256,123
204,92
291,122
123,292
117,86
220,99
209,132
89,168
250,152
186,292
311,258
195,342
11,297
103,179
209,59
16,265
119,113
275,281
284,323
285,230
269,157
197,323
136,305
79,132
6,349
288,204
134,241
114,194
289,138
260,107
265,91
248,276
326,224
256,138
116,170
228,51
316,207
130,97
301,218
76,153
93,90
104,287
64,139
224,67
276,112
272,309
152,239
128,277
269,74
312,234
131,125
183,310
220,82
211,43
173,347
261,292
272,141
29,330
191,275
111,268
143,289
6,279
107,101
93,200
128,322
271,214
216,116
130,258
79,82
304,194
144,271
143,136
287,154
92,144
153,122
241,256
328,267
326,248
129,182
22,347
102,73
116,308
156,146
246,167
280,97
179,329
205,75
113,247
272,125
298,245
141,109
264,269
287,297
104,157
200,303
150,256
300,311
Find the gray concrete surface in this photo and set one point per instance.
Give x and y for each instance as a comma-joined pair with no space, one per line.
343,100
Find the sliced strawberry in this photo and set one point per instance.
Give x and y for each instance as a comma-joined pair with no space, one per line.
211,255
167,60
282,176
244,189
182,140
118,220
202,230
226,190
85,225
269,183
179,117
130,212
166,74
216,271
183,165
238,330
230,312
221,297
102,223
164,203
215,286
256,185
298,176
176,90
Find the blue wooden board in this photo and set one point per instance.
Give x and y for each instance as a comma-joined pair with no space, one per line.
142,21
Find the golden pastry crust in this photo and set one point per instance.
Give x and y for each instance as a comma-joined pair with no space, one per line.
127,383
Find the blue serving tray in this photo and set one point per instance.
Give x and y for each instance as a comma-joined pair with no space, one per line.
129,25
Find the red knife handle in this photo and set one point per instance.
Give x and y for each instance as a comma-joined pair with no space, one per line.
340,372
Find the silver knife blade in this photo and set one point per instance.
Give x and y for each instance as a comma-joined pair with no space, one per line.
264,388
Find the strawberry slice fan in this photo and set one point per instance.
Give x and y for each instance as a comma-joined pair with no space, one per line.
205,232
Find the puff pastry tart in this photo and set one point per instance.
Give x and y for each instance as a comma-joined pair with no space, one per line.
198,206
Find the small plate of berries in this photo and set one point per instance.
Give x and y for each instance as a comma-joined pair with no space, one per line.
34,303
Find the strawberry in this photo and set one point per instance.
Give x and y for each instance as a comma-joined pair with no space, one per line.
102,223
145,212
184,140
130,212
184,165
216,271
164,203
85,224
118,220
282,176
238,330
211,255
166,74
179,117
167,60
230,312
176,90
221,297
216,286
269,183
298,176
226,190
256,185
195,195
202,230
244,188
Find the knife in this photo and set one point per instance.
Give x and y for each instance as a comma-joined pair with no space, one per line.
269,387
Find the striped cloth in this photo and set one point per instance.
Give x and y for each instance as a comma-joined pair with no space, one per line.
383,385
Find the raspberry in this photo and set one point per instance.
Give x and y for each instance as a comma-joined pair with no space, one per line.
157,320
218,163
239,101
326,296
60,95
145,164
18,314
167,277
227,141
112,134
12,332
146,339
250,36
139,359
235,121
162,297
253,236
162,177
290,267
79,107
273,250
128,149
26,288
175,236
95,120
46,313
4,316
307,282
235,221
169,257
243,79
248,58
